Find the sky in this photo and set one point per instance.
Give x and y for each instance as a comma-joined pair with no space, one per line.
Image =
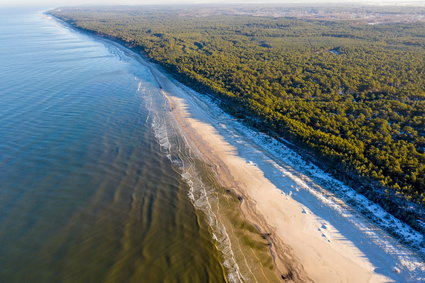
57,3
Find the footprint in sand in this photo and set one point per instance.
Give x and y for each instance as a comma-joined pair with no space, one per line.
324,227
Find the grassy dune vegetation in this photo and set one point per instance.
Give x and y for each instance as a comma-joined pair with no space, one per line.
348,91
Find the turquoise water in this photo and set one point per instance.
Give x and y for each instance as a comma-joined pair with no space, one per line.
87,193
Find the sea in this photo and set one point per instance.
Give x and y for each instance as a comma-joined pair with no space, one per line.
91,183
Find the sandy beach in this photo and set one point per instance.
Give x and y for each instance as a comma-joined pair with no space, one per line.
292,230
305,246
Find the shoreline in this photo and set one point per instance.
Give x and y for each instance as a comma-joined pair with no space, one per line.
196,135
269,204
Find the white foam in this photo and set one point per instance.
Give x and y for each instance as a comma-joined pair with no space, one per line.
200,195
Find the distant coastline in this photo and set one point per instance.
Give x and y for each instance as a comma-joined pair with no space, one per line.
308,156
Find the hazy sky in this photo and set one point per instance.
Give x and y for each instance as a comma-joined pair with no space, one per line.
141,2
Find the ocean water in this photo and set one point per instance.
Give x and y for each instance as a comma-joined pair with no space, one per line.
90,188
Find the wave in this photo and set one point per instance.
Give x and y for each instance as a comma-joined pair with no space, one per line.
202,196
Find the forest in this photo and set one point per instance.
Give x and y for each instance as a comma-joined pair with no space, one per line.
348,93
